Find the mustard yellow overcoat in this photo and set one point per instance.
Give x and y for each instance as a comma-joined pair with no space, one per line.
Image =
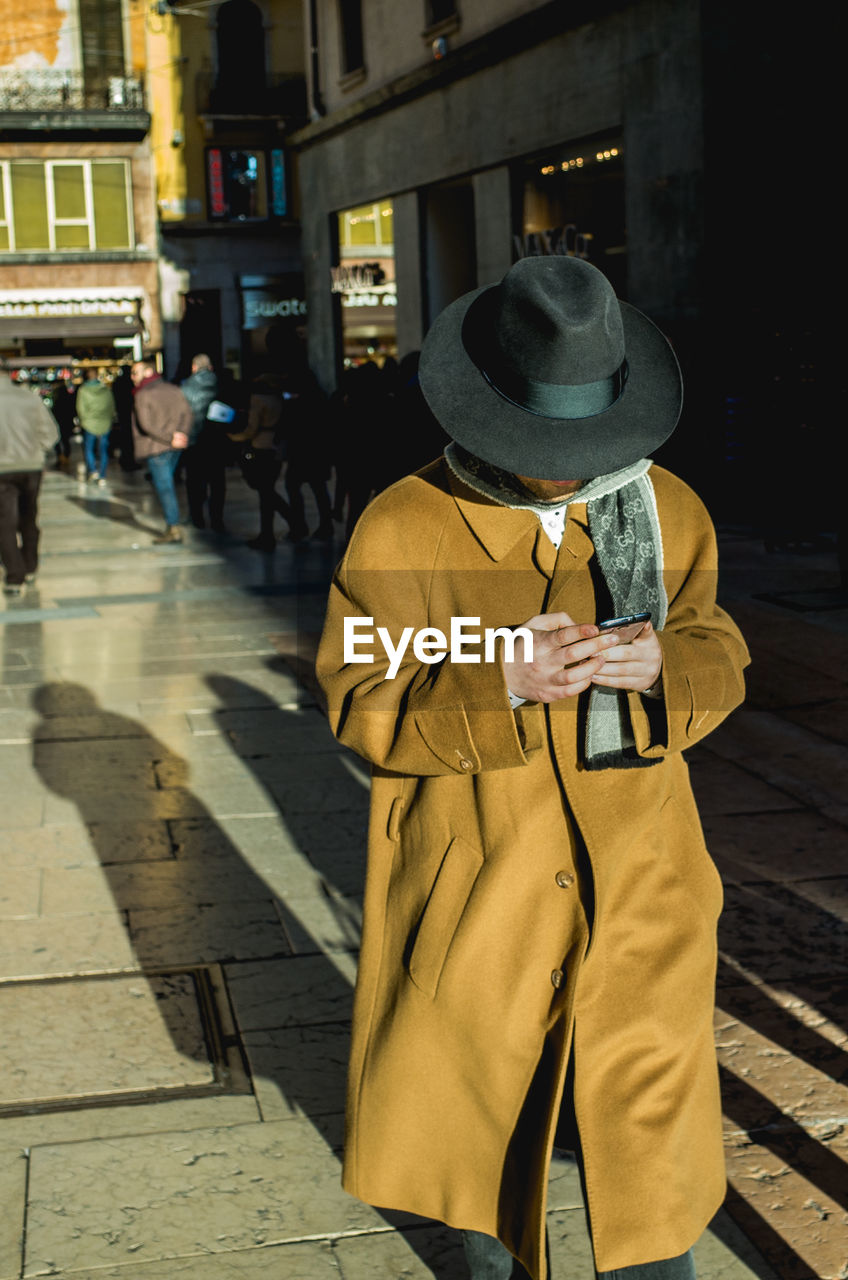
485,963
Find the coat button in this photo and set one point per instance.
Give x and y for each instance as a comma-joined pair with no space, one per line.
557,978
465,764
564,879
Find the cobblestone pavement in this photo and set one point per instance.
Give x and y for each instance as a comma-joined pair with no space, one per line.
180,902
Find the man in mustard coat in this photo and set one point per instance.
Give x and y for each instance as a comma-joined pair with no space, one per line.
539,938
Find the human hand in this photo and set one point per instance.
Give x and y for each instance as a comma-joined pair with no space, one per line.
636,666
566,656
179,440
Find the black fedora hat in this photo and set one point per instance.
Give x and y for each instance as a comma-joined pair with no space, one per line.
548,374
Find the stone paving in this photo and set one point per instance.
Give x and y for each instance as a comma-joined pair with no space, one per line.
180,904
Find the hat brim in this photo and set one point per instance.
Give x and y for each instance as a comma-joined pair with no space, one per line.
476,416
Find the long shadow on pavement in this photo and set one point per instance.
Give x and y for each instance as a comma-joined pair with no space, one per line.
105,508
323,802
193,889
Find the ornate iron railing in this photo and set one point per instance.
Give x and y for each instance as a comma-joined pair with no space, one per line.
68,91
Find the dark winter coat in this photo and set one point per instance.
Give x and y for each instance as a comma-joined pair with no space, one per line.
159,410
200,389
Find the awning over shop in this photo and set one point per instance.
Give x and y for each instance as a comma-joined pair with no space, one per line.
35,314
76,327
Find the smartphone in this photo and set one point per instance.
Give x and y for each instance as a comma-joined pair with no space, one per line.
628,627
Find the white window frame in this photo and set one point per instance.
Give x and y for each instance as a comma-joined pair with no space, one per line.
8,221
52,221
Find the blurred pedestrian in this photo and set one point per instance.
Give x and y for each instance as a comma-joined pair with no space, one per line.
362,441
27,430
96,412
63,408
305,431
262,460
122,436
205,457
417,436
162,421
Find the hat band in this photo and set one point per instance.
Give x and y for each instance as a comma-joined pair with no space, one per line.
560,400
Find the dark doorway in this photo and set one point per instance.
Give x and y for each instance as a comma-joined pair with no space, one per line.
240,83
200,329
450,245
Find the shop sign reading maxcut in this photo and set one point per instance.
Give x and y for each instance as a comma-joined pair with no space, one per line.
363,284
565,242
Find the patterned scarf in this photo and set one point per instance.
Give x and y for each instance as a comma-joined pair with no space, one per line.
625,530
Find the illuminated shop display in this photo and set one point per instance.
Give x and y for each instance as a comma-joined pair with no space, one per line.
572,202
365,281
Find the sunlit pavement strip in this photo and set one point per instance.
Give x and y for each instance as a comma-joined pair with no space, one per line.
180,907
63,611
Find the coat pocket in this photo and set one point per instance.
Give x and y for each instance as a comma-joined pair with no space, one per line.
442,913
700,872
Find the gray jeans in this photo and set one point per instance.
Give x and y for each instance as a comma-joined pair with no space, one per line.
488,1259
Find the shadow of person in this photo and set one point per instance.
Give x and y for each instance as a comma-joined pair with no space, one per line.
309,776
140,905
107,509
207,881
321,791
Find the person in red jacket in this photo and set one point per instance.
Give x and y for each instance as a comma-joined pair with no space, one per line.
162,422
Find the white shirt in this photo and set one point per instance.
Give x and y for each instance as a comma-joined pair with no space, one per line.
552,520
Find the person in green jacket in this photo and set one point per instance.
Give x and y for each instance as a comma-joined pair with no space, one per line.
96,413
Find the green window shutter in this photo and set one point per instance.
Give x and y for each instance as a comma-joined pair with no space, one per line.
69,190
111,211
72,237
4,238
29,199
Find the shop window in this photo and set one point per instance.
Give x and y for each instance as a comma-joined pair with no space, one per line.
58,205
368,225
364,280
572,203
353,49
237,184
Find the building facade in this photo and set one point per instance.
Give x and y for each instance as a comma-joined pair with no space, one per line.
448,138
227,86
78,236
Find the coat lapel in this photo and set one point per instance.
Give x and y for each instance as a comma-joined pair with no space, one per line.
497,528
571,589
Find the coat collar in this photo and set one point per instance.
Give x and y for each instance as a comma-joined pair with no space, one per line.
499,528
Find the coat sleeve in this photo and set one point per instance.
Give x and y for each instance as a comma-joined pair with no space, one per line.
47,429
704,654
147,418
185,414
427,719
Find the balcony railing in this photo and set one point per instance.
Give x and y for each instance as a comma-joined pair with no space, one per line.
36,92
